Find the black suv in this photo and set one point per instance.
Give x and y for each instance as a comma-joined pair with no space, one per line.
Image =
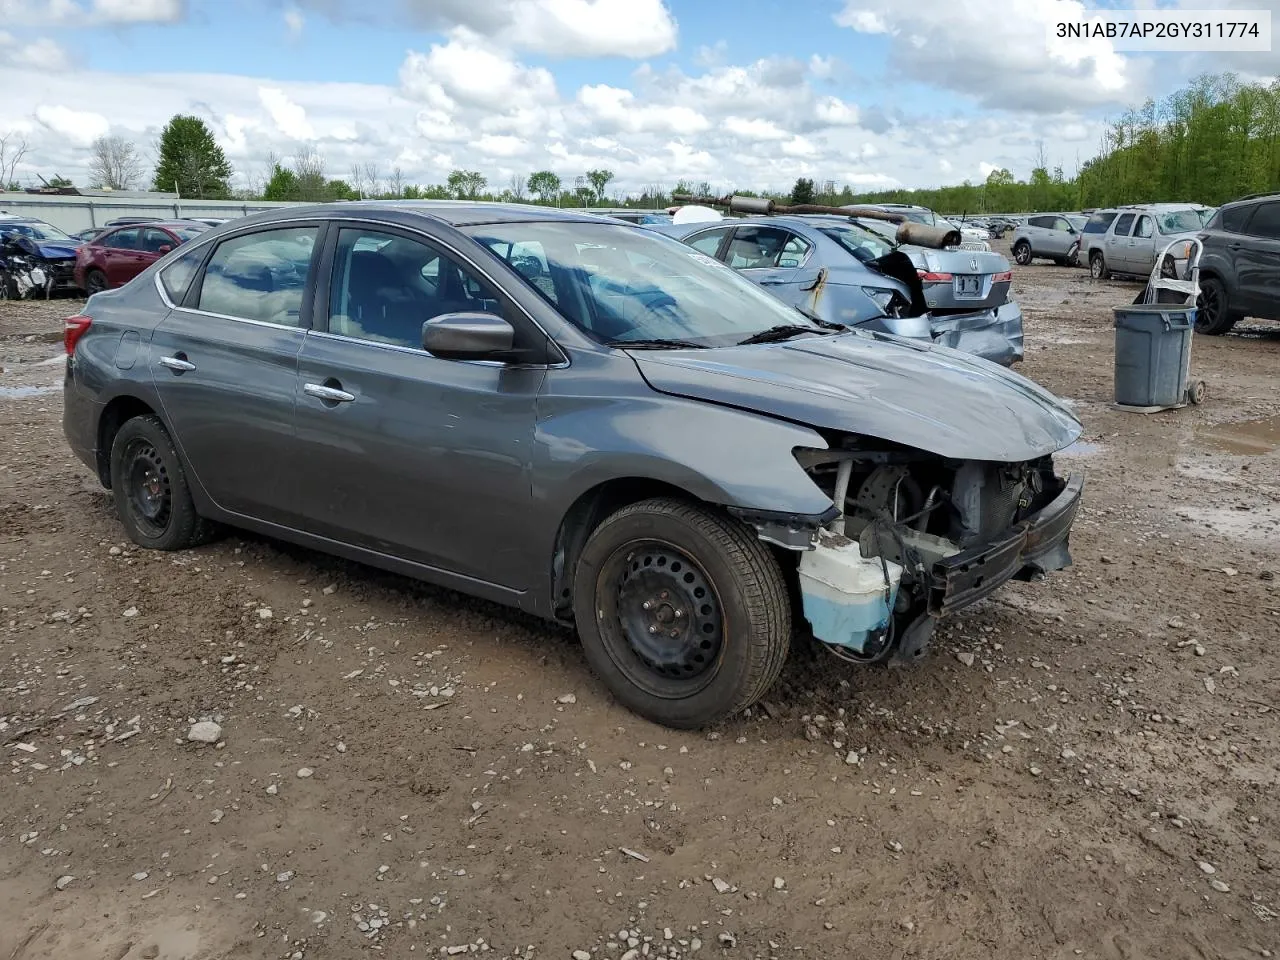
1240,267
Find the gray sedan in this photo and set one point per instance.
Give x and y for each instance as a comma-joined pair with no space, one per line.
581,419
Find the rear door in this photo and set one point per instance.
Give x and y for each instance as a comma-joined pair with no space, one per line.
1038,235
225,364
1115,246
1257,256
1141,257
120,255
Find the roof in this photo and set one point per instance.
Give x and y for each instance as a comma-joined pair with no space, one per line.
170,223
457,213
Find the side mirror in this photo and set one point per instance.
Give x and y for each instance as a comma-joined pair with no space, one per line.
468,336
164,248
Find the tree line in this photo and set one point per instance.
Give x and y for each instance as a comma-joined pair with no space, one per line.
1211,141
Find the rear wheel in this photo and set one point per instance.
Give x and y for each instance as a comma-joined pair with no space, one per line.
95,281
1213,313
150,488
1098,267
1022,253
682,612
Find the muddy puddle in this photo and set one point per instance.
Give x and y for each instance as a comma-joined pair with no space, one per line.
1247,438
1081,448
21,393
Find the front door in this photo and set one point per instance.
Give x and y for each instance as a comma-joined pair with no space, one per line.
225,364
399,451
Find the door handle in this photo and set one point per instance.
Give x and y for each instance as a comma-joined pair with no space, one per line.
330,394
177,364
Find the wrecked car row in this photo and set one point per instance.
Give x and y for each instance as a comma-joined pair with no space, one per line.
583,419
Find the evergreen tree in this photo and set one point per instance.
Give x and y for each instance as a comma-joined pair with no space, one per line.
191,160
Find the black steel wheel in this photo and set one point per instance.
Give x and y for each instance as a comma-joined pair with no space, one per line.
682,611
149,484
95,281
1213,314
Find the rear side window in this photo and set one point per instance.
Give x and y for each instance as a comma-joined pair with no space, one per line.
1099,222
1265,221
121,240
1124,225
176,277
260,276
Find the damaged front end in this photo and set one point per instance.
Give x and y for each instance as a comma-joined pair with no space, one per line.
29,269
918,537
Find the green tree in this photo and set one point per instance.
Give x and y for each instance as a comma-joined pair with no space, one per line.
802,192
599,180
283,185
191,160
466,184
545,184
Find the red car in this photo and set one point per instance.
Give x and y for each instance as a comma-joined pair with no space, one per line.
115,257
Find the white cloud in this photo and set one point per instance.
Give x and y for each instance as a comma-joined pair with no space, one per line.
613,108
592,28
79,13
1001,57
79,126
468,72
986,169
501,146
944,165
294,22
289,118
39,54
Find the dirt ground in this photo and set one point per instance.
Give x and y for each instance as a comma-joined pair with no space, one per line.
1084,767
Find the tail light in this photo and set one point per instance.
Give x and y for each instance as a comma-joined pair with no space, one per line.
73,328
1006,277
928,277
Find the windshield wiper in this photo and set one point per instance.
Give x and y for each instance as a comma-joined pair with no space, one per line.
784,331
657,344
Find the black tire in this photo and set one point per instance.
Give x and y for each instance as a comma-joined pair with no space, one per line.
1098,267
95,281
1022,253
149,484
644,564
1213,309
1073,255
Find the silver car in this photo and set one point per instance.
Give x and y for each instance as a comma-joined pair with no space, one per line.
1127,240
579,418
1050,236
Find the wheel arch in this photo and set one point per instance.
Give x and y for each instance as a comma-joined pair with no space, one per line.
117,412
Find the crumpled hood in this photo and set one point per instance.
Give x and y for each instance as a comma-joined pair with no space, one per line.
922,396
56,249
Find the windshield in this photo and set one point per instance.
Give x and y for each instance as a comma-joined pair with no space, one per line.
619,284
1180,221
1077,222
862,243
34,229
1207,214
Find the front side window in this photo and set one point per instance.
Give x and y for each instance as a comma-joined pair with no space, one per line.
755,247
260,276
622,285
385,287
1143,230
153,240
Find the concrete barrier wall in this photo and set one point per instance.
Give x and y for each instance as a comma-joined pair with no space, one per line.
73,214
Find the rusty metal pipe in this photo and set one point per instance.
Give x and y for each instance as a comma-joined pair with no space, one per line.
765,206
924,235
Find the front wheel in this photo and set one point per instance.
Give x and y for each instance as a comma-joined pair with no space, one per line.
150,488
1073,255
682,612
1022,253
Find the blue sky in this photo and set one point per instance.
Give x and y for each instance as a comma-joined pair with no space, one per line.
751,93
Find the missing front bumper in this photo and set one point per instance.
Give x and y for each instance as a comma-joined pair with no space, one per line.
1026,551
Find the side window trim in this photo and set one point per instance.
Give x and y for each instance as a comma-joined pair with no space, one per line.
192,299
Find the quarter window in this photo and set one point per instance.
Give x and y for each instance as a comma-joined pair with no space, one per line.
385,287
1124,224
176,277
1099,222
260,276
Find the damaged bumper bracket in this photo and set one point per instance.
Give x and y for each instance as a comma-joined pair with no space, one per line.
1029,549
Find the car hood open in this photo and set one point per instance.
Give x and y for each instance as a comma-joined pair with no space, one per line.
919,395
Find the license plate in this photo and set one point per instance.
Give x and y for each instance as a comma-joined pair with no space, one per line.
968,285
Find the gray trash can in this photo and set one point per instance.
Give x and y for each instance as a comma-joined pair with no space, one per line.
1153,354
